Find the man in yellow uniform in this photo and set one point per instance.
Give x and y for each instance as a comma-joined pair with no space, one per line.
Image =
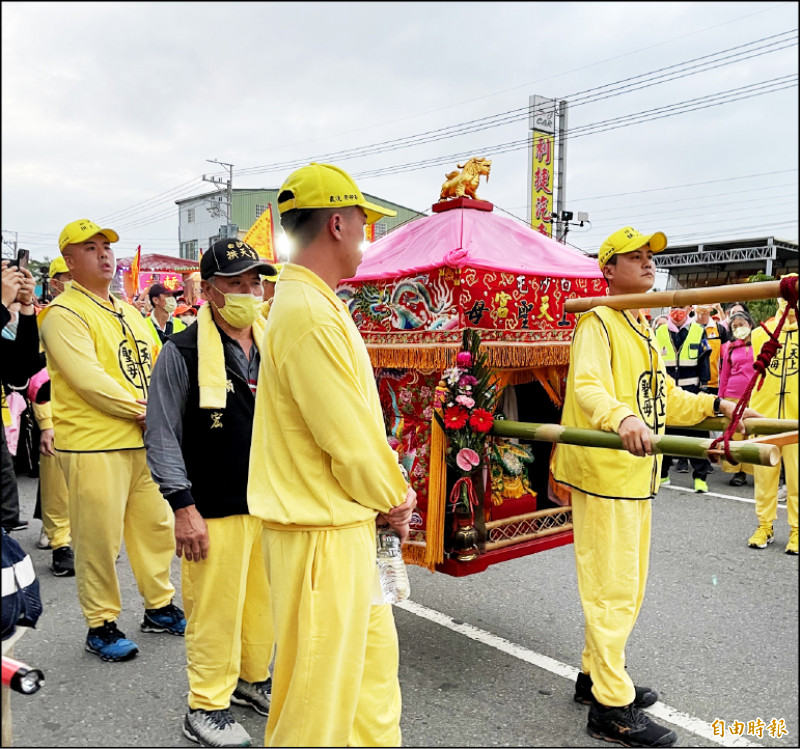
199,422
617,382
321,473
777,399
53,504
685,352
268,282
100,355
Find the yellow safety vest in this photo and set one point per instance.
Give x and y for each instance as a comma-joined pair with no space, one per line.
687,358
177,326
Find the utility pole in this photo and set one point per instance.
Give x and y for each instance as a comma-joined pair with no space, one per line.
561,192
229,185
10,244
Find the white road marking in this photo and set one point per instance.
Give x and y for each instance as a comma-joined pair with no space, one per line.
714,494
659,710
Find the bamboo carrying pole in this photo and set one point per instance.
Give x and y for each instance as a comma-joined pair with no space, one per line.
665,444
751,426
744,292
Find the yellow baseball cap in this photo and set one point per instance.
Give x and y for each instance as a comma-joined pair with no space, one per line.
59,265
326,186
628,240
81,230
274,278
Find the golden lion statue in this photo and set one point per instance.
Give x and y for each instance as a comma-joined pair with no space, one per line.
465,183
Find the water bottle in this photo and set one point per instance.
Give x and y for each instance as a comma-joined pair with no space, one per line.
391,567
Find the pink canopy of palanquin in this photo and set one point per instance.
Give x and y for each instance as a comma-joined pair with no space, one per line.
462,238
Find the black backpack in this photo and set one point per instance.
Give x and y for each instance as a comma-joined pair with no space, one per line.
22,604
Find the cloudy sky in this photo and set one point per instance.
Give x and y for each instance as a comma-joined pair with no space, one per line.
683,115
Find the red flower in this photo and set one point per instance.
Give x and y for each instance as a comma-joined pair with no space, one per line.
455,417
481,420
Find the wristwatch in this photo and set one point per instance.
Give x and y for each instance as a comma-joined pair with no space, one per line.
717,404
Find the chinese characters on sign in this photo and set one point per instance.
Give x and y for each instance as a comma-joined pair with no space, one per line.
776,728
542,183
173,281
542,125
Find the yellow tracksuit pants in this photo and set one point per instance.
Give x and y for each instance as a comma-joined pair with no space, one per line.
335,679
767,480
612,554
113,496
228,616
55,501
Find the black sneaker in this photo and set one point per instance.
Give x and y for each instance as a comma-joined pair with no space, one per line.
168,618
20,525
682,466
63,562
739,479
627,726
645,696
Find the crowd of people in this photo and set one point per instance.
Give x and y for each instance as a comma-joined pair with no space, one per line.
195,428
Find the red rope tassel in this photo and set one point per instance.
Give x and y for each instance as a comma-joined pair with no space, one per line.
788,291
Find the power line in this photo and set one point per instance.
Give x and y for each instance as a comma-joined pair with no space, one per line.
747,50
514,115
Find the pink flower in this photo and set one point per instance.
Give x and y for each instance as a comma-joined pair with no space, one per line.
467,459
467,381
466,401
464,359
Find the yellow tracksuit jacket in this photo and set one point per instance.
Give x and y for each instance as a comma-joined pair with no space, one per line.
777,399
615,372
319,455
320,471
100,356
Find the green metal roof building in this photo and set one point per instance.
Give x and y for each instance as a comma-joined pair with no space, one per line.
203,218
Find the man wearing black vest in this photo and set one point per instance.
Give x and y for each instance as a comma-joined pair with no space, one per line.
199,421
684,348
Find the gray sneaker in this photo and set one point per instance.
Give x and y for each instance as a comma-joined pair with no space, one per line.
214,728
257,695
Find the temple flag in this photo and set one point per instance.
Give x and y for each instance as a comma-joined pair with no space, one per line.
261,236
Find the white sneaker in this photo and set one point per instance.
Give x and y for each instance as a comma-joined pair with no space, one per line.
214,728
782,491
43,542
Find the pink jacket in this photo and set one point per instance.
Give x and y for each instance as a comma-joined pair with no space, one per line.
735,368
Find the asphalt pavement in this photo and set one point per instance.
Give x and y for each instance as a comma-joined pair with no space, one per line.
489,659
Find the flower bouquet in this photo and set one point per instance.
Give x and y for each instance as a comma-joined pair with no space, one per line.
465,403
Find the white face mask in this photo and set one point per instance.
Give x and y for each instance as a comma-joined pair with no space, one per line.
170,304
187,319
741,332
